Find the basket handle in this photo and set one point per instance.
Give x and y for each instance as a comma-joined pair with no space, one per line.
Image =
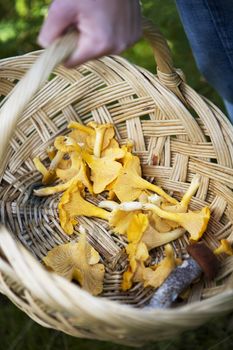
36,76
167,74
22,93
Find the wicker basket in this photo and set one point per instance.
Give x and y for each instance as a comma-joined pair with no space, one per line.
177,133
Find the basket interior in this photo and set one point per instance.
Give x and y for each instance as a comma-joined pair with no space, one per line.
173,142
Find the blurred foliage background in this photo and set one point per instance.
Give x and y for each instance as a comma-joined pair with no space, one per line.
19,26
21,21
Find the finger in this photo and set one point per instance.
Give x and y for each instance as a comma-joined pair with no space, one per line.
128,34
136,28
60,17
88,48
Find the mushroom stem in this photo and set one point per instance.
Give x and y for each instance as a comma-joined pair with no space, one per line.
99,138
155,199
81,127
191,191
201,259
130,206
180,279
154,188
111,205
56,160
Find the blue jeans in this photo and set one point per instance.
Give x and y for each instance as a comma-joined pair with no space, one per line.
209,27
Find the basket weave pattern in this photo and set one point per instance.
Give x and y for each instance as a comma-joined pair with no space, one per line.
176,134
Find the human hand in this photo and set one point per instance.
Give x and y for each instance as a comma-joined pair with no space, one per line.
104,26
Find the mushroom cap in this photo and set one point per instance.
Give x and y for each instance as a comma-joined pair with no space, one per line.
224,247
104,170
78,261
205,258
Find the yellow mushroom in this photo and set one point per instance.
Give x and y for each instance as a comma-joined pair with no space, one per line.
159,224
81,128
153,238
132,162
94,137
137,227
78,261
162,225
80,177
140,230
109,188
155,199
66,144
103,170
104,133
182,206
155,277
138,274
111,195
136,250
194,222
143,198
129,145
111,205
68,174
119,220
51,152
48,176
80,133
224,247
72,205
61,163
56,160
129,185
113,144
137,255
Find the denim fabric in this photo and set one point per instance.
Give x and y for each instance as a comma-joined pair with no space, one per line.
209,27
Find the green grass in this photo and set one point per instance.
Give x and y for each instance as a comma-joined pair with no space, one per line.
18,332
19,26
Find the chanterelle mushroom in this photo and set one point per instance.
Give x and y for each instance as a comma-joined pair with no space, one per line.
81,134
72,205
136,250
66,144
155,278
137,255
47,176
137,227
119,220
50,174
182,206
112,144
194,222
69,173
81,176
87,130
129,185
78,261
153,238
104,133
224,247
104,170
